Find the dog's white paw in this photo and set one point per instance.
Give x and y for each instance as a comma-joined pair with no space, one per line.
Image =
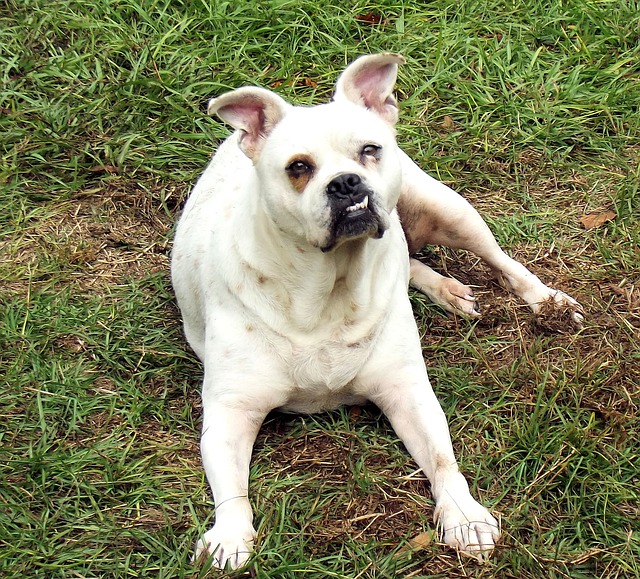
455,297
467,526
556,308
227,546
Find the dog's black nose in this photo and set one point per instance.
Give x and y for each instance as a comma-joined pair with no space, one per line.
346,186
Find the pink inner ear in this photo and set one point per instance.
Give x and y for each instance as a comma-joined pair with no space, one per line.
374,86
248,116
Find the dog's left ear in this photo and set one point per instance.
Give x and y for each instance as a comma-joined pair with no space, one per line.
369,82
253,111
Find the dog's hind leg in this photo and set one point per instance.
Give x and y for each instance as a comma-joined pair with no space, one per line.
432,213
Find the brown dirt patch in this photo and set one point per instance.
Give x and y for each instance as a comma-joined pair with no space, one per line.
382,507
97,239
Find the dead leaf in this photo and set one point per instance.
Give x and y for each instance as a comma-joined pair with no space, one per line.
369,18
617,290
422,540
112,170
355,412
419,542
595,219
447,123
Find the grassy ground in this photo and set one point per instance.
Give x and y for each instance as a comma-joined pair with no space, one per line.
529,109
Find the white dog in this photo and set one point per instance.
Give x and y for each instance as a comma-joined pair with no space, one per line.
290,267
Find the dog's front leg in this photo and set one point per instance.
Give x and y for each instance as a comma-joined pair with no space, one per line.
228,435
396,381
446,292
418,420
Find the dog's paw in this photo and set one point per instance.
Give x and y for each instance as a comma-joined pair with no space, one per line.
553,308
467,526
455,297
558,311
225,546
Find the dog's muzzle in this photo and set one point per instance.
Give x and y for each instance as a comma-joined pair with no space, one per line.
353,210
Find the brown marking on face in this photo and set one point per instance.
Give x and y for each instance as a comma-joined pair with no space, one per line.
262,280
300,170
249,328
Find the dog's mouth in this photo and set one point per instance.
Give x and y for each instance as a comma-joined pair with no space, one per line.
358,208
356,220
353,212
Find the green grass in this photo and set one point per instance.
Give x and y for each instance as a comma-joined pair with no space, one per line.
530,110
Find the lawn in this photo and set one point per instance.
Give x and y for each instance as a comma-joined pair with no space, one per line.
530,110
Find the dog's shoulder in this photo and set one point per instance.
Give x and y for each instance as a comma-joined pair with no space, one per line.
229,168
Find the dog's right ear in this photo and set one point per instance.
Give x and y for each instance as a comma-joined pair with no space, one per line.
251,110
368,82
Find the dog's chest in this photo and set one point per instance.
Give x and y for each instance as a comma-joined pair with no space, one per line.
322,375
330,365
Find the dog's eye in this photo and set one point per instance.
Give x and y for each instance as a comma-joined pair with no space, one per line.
298,169
371,151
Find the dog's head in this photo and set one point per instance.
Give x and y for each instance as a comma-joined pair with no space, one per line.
329,173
